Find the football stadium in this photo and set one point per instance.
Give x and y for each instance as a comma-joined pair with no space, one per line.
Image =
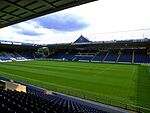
82,76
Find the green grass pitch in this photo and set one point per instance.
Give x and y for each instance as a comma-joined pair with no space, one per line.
125,83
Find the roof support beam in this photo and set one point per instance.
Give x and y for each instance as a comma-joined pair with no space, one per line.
4,20
49,3
16,16
18,6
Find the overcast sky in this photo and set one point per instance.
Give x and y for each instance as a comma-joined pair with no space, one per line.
98,21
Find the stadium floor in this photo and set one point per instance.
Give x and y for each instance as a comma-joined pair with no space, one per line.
122,83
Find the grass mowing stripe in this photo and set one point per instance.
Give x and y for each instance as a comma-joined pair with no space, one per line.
74,70
127,83
83,82
61,86
45,72
131,82
58,68
57,65
101,83
65,74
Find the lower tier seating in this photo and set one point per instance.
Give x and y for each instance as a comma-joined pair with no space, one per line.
37,102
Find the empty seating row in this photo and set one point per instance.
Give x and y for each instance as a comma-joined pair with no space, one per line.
37,102
8,56
116,55
141,56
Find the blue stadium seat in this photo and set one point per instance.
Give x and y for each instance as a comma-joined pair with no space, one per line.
126,56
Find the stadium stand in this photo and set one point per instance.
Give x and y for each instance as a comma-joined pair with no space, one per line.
112,56
58,55
8,56
129,51
28,55
84,55
20,102
100,56
141,56
35,101
69,55
120,56
126,56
